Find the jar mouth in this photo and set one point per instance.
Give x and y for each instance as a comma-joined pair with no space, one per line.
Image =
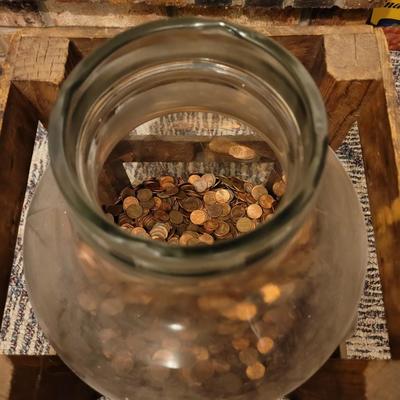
271,234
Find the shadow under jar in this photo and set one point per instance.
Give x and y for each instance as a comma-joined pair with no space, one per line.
246,318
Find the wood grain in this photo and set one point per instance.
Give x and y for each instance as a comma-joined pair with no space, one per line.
18,123
353,71
380,140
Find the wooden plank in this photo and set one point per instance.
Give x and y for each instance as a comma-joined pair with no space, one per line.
18,123
352,64
39,69
380,138
353,380
41,378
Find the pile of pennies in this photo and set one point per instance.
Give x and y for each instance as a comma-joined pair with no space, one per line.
197,211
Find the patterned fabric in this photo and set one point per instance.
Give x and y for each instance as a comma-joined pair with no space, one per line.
20,333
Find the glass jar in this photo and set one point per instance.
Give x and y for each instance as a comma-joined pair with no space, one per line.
246,318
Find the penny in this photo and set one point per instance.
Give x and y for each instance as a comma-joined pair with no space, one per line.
242,152
238,212
233,206
206,238
144,194
198,217
226,210
266,201
279,188
191,204
270,293
265,345
134,211
193,178
222,230
258,191
209,197
254,211
210,179
211,225
222,196
161,215
170,189
166,179
176,217
201,185
220,145
128,201
240,343
138,231
255,371
248,356
244,225
246,311
214,210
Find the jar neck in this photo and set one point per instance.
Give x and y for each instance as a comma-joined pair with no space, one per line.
151,71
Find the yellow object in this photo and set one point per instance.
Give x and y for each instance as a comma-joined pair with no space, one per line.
390,12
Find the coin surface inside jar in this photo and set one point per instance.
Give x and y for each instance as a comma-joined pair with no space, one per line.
199,210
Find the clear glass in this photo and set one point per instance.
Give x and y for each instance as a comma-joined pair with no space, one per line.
246,318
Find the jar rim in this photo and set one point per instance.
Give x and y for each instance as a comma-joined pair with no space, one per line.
79,204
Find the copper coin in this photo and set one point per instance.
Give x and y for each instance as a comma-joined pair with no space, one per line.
138,231
157,203
226,210
246,311
238,212
210,179
266,201
161,215
191,203
248,187
206,238
128,191
175,217
147,204
134,211
198,217
209,197
279,188
193,178
201,185
265,344
144,194
242,152
214,210
244,224
258,191
222,230
170,189
255,371
254,211
128,201
240,343
211,225
220,145
223,196
270,293
166,179
248,356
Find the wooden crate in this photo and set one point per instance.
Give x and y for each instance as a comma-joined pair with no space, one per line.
350,65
